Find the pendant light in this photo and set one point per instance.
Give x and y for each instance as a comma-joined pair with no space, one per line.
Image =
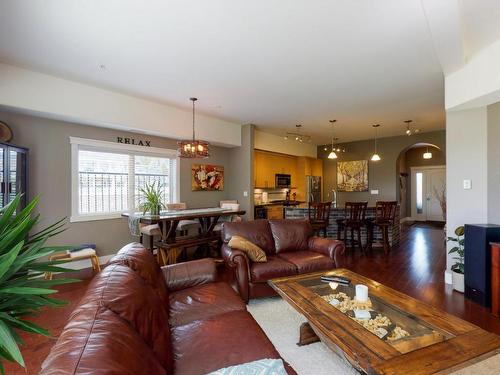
375,156
332,154
193,148
427,154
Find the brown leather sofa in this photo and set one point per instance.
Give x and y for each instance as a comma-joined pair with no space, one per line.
138,318
290,248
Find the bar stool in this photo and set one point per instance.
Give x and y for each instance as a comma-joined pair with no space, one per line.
354,219
385,214
319,216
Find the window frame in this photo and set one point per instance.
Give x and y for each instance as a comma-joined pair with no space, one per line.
105,146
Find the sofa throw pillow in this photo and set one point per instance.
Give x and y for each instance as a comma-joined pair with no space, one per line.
255,253
260,367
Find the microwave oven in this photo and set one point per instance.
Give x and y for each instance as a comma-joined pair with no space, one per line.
282,181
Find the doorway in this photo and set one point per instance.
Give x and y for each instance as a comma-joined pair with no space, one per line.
428,193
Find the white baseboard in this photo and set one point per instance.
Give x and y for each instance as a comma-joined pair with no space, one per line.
447,277
405,219
85,263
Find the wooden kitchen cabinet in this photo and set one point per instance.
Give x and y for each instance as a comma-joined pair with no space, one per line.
275,212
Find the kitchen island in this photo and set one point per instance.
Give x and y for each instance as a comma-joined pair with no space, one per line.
301,211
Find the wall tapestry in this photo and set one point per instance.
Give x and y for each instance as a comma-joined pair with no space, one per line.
206,177
352,175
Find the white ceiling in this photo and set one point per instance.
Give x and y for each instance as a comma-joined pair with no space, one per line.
273,63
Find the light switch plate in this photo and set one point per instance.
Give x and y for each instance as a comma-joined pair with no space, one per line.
245,193
374,192
467,184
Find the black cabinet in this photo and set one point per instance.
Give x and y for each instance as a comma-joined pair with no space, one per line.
13,173
478,261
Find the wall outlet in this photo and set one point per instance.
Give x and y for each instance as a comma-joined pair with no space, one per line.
374,192
245,193
467,184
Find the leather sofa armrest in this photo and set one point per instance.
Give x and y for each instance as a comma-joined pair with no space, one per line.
238,260
188,274
331,248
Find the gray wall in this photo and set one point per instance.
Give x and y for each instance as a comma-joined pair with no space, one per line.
382,175
50,176
494,163
241,170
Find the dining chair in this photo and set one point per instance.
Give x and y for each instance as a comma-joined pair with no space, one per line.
385,214
319,216
353,221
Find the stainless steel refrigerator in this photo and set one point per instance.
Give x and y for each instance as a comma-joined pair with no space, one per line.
313,189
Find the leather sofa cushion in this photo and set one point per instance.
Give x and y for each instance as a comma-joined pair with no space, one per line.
97,341
138,258
203,302
254,253
290,234
127,295
221,341
274,267
308,261
257,232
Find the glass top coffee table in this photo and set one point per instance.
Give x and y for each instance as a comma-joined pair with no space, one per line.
390,333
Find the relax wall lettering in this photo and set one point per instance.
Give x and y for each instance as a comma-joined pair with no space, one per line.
132,141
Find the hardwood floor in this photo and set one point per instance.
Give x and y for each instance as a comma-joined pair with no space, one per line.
415,267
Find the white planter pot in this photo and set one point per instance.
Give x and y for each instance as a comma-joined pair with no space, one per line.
458,281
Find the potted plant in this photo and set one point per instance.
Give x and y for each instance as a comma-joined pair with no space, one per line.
458,268
152,195
23,289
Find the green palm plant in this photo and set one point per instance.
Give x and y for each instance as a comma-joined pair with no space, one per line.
152,194
23,290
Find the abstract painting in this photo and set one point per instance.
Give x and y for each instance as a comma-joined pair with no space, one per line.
206,177
352,175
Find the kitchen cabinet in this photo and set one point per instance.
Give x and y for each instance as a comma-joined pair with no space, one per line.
275,212
268,164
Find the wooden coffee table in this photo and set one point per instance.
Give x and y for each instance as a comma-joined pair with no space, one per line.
433,342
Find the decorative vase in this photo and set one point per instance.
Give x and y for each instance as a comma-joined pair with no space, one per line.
458,281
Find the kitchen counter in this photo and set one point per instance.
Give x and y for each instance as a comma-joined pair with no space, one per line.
301,211
280,203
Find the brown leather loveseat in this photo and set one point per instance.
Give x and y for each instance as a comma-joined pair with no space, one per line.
138,318
290,248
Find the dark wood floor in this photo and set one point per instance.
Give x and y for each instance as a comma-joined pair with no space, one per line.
416,267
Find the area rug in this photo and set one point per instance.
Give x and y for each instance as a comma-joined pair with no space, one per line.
281,324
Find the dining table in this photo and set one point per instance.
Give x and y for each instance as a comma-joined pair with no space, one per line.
168,222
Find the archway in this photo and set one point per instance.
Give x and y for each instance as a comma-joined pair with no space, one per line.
413,157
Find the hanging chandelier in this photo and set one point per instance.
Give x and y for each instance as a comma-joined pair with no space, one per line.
375,156
193,148
427,154
332,154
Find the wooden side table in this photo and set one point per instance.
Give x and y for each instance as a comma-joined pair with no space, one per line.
94,260
495,279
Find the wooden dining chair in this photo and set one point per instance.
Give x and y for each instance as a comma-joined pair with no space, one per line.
385,214
319,216
354,219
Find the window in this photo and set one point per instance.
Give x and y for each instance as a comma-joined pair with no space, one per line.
107,177
419,192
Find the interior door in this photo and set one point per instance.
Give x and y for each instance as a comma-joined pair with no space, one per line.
428,186
436,182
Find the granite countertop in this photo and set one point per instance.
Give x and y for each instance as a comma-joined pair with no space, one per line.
280,203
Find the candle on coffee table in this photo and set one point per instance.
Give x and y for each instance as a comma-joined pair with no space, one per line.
361,293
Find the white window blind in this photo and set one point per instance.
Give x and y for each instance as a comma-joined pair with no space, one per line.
107,178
